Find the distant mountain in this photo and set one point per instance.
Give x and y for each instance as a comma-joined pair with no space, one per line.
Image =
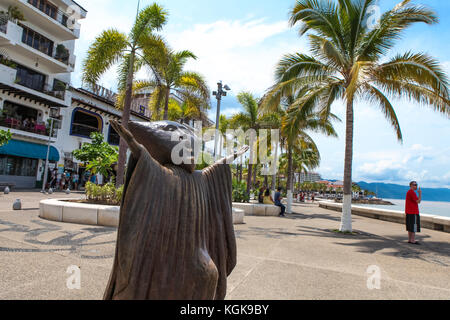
395,191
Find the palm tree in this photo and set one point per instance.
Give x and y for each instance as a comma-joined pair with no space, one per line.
169,77
249,119
224,125
305,157
347,63
295,123
112,47
294,128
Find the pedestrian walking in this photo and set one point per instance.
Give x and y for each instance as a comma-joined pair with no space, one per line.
75,180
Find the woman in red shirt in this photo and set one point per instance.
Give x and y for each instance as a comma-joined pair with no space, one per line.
412,212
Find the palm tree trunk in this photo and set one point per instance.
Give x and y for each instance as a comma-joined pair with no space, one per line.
255,171
289,183
274,177
240,169
346,219
249,177
166,106
220,145
125,119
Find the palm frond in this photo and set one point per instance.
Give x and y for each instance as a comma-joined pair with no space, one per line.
392,23
107,50
299,65
320,16
417,68
376,96
414,92
149,19
250,105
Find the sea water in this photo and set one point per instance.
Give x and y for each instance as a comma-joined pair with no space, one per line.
428,207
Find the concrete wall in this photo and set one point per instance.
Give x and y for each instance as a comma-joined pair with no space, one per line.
427,221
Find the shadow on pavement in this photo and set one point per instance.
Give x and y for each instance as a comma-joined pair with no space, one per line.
394,245
309,216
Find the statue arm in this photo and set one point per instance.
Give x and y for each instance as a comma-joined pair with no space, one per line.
230,159
134,146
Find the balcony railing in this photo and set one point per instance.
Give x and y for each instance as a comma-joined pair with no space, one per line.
60,53
28,126
28,82
55,14
51,91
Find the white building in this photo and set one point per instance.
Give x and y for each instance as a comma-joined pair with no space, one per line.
90,111
36,62
308,177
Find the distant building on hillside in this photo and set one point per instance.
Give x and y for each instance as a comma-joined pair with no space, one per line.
309,177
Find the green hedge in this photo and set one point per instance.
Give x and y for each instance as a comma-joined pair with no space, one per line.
107,193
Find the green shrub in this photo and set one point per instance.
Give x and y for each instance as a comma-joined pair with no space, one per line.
240,191
106,193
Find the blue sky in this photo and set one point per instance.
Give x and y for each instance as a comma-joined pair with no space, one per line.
239,42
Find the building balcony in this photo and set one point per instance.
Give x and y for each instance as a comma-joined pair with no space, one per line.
43,92
10,33
28,121
55,22
54,63
59,60
63,55
17,127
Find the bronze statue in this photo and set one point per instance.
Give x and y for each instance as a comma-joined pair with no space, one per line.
175,238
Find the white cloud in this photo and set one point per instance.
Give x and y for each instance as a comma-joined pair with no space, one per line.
236,51
402,165
446,66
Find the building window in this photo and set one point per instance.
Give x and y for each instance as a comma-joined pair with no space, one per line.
113,137
16,166
45,6
37,41
30,78
85,122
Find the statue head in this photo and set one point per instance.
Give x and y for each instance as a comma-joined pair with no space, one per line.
161,137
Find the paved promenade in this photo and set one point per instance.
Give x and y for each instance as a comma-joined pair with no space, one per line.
298,257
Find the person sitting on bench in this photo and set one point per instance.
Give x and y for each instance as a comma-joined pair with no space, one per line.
278,202
268,198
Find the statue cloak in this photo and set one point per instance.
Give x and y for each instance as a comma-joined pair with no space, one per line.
175,237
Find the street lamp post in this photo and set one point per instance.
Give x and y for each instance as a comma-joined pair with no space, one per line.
53,112
219,94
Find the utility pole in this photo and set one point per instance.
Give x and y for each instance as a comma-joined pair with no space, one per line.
50,135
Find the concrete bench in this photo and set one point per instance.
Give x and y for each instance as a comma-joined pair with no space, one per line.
257,209
80,213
